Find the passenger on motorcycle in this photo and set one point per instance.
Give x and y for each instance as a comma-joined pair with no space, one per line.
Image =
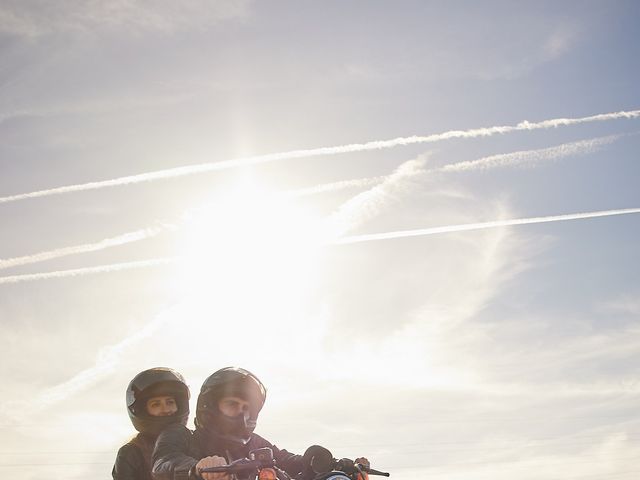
155,398
226,415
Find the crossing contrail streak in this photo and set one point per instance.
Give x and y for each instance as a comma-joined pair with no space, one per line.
480,226
113,267
321,151
123,239
370,203
335,186
343,241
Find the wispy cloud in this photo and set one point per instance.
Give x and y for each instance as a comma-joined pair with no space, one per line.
613,455
33,19
123,239
410,354
482,225
626,304
106,361
152,97
512,61
322,151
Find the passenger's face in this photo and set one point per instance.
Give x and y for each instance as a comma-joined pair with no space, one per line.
233,406
162,406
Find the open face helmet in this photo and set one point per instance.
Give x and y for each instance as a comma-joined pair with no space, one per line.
156,382
230,382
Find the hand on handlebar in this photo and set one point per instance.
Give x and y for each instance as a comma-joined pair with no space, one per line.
350,465
214,461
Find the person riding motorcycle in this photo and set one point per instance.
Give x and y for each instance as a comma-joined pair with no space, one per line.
155,399
226,416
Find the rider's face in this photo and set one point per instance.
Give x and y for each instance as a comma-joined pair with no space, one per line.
162,406
233,406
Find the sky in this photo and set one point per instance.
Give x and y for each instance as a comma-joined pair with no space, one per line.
415,221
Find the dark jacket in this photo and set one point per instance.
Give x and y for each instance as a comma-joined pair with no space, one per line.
133,461
178,449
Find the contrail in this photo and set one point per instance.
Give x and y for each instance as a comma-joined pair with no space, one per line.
480,226
344,240
123,239
322,151
114,267
528,156
510,159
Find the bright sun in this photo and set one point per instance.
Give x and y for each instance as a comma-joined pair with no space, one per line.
249,270
248,260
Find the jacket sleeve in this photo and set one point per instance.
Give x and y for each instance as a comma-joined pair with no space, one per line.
287,461
128,464
173,455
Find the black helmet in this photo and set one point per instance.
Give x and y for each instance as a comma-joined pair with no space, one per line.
153,383
230,382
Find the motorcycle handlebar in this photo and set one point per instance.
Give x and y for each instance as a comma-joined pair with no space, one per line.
245,465
348,466
371,471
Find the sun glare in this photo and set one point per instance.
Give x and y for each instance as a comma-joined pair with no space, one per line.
248,260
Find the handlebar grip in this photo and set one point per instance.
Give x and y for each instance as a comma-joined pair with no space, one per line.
371,471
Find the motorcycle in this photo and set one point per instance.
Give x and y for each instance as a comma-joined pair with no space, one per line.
318,464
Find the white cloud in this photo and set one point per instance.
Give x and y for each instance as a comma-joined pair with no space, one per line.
514,60
559,42
628,304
